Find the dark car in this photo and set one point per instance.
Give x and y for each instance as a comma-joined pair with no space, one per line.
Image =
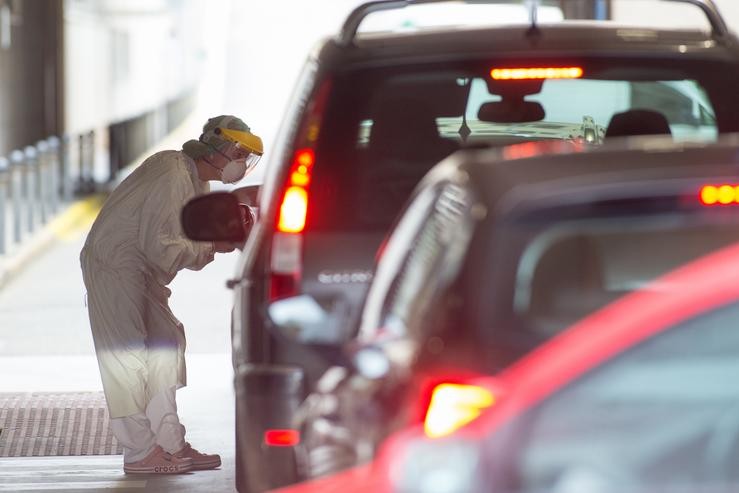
495,255
372,114
637,396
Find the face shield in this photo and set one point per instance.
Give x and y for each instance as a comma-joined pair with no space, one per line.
242,155
244,146
251,161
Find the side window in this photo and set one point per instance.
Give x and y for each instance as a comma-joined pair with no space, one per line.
427,267
573,268
665,412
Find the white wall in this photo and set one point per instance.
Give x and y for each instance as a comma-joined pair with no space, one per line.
125,57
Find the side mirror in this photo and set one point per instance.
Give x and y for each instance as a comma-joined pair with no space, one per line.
511,111
217,217
305,320
371,362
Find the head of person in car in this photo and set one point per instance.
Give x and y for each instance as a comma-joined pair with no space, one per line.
638,122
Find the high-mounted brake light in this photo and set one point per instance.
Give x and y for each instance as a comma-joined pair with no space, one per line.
526,73
724,194
281,438
453,406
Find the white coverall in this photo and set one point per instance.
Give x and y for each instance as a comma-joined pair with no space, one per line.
134,249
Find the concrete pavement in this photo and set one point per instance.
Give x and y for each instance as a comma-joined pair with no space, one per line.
45,345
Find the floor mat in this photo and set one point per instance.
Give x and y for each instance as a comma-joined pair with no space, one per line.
54,423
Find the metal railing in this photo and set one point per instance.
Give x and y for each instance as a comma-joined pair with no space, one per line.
37,181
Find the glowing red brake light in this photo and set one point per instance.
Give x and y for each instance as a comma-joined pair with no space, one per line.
724,194
527,73
301,179
281,438
305,157
293,210
453,406
300,173
286,256
294,205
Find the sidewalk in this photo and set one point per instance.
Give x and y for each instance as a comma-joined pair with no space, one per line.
72,218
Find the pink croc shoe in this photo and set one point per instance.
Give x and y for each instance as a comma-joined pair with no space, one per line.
200,461
158,462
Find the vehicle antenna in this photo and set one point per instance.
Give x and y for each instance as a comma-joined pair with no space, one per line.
533,6
464,129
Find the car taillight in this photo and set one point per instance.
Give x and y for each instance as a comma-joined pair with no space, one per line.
293,210
286,260
536,73
281,438
294,204
454,405
724,194
286,264
287,244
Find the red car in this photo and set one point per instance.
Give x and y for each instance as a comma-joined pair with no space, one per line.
642,395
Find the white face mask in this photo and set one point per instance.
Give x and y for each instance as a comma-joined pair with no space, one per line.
234,171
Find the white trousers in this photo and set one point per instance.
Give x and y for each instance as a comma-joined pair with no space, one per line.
139,433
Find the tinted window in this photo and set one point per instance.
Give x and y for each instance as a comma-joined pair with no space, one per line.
550,267
664,412
572,269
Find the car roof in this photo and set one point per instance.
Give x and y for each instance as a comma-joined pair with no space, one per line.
568,38
548,173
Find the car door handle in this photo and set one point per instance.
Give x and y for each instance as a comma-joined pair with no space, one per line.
232,283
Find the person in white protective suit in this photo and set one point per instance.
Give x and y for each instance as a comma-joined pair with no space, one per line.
134,249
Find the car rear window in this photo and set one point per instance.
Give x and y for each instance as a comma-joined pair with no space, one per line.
383,129
572,266
580,267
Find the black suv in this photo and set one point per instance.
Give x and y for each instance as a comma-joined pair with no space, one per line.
372,114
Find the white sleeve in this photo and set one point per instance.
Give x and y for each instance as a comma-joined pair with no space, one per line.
160,232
